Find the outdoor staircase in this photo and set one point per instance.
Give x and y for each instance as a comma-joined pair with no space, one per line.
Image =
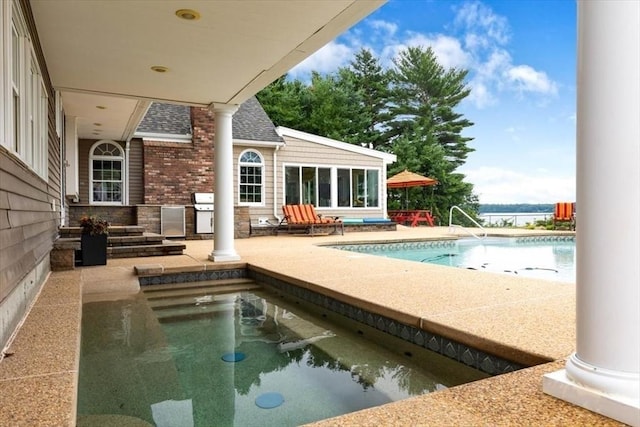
129,241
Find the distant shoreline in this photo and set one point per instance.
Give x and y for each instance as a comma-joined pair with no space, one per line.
516,218
513,208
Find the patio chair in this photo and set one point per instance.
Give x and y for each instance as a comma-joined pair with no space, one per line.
304,217
564,212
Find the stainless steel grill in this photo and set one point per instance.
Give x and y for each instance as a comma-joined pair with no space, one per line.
203,204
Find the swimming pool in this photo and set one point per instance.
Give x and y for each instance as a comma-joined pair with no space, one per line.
548,257
199,357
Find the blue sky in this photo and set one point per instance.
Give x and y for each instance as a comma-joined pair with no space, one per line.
521,57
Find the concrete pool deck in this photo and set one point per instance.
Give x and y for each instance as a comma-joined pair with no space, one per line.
529,320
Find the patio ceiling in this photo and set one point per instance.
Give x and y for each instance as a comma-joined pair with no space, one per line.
100,52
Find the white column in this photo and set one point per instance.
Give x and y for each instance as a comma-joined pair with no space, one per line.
603,375
71,165
223,244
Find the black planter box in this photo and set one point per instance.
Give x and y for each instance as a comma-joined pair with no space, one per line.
94,249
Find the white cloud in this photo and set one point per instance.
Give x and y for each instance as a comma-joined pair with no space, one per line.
497,185
525,79
388,28
480,94
447,50
326,60
483,24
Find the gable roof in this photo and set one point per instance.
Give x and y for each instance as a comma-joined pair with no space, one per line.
251,123
166,119
170,121
292,133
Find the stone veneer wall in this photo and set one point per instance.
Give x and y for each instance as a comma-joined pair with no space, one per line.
149,218
116,215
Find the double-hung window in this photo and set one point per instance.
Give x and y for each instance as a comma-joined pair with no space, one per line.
251,178
107,177
23,125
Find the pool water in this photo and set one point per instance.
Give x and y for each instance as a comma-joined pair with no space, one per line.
548,259
198,357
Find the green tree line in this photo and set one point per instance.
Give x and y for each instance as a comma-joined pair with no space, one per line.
408,110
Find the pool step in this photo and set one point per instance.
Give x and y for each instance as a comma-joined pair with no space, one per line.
190,295
192,308
220,286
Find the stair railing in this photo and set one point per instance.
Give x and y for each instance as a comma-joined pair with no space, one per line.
452,226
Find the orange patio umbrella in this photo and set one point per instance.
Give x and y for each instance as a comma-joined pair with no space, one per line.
406,179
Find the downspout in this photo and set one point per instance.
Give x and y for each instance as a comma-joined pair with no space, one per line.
276,211
126,171
385,192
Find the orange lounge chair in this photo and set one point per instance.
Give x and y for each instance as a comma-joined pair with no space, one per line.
565,212
304,217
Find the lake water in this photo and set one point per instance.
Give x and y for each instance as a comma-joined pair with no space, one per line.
516,219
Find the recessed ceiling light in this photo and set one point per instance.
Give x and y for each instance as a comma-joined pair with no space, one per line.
188,14
101,107
159,69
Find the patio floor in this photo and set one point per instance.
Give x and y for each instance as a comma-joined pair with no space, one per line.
526,319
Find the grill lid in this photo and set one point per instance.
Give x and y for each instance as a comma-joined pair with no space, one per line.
203,198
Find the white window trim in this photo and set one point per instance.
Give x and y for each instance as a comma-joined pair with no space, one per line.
31,146
334,185
93,157
263,175
4,68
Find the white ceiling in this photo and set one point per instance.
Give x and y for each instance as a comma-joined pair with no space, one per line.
100,52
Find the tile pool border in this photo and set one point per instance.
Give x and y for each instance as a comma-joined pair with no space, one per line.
193,276
457,351
429,244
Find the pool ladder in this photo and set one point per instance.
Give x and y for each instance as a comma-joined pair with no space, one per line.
452,226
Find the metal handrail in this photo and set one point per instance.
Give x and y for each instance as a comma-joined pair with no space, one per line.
451,225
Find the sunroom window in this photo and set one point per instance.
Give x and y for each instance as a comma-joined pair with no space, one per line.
308,185
358,188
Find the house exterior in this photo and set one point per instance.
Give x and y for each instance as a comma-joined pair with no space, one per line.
339,179
171,157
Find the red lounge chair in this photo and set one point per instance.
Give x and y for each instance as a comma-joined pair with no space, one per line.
304,217
565,212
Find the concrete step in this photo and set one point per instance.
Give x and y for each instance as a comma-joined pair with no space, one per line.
146,239
165,248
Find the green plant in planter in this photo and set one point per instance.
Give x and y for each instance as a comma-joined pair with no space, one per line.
93,225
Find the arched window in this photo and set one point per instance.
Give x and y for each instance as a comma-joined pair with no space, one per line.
251,178
106,169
